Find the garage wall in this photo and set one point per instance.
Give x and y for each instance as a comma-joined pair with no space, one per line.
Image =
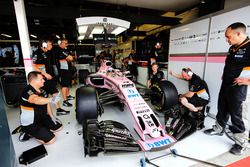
201,45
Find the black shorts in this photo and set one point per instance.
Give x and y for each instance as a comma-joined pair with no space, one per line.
197,101
65,78
50,86
41,129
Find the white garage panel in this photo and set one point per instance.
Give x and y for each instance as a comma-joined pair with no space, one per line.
217,43
190,38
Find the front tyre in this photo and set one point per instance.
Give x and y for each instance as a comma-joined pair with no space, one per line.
164,95
86,104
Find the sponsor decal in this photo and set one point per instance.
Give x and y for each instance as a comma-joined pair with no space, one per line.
129,85
138,104
158,144
238,56
133,95
130,91
147,120
142,111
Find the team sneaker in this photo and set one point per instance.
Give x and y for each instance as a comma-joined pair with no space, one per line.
67,104
212,132
70,97
61,111
24,136
237,149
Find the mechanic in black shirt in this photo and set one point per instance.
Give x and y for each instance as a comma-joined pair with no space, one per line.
64,61
156,76
154,55
131,62
37,119
234,93
42,63
198,94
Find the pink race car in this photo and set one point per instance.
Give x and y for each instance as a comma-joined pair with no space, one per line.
110,85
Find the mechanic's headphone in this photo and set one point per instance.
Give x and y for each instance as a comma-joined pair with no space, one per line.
188,71
59,42
43,43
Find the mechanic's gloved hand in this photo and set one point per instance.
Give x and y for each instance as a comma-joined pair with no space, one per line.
55,99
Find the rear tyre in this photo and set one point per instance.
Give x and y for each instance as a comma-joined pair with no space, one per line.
83,74
164,95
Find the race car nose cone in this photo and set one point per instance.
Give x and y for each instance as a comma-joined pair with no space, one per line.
155,133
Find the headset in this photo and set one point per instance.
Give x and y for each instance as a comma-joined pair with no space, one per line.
188,71
43,43
59,42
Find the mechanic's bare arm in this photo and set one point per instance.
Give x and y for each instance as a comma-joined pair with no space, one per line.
36,68
242,81
188,94
38,100
175,75
69,58
49,111
148,83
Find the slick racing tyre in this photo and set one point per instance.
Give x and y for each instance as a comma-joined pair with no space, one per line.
164,95
86,104
83,74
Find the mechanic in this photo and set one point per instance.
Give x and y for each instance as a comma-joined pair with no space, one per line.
42,63
132,62
37,119
154,55
64,61
234,93
198,94
156,75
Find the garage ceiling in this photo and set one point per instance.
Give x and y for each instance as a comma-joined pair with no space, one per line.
57,17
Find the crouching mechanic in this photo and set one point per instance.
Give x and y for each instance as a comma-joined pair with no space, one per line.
37,119
155,76
198,94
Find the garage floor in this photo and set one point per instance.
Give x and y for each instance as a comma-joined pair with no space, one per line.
68,149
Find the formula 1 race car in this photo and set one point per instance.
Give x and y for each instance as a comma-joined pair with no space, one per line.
110,85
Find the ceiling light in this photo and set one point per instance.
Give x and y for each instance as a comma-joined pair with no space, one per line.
203,1
81,37
96,24
96,30
118,30
34,36
102,21
58,36
82,29
6,35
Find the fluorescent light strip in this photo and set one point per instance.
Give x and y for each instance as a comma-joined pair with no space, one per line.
34,36
6,35
96,30
81,37
82,29
118,30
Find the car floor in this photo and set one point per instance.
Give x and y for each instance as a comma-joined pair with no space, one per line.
68,148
